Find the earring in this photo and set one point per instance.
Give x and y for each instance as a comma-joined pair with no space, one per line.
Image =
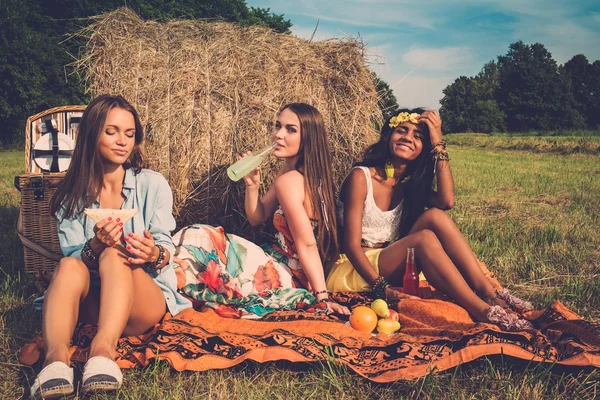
389,170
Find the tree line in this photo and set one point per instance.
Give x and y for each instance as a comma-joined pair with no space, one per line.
34,53
525,90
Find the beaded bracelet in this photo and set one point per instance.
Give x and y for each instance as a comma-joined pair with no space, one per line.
88,253
379,287
149,266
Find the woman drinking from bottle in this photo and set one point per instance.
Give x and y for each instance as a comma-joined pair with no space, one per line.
227,270
387,204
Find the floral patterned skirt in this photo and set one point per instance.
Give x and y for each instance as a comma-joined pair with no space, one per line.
235,276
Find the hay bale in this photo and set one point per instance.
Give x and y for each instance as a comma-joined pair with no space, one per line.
207,91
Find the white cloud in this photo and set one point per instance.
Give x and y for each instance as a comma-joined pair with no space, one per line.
305,32
367,17
365,14
421,91
564,38
440,59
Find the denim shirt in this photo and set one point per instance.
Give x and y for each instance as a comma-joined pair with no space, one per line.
150,194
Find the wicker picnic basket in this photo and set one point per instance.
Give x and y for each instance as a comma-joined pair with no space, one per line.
36,227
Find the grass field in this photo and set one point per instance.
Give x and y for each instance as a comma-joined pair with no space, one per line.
532,217
536,144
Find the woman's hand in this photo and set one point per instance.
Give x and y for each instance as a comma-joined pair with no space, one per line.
142,247
253,178
395,294
108,231
432,119
337,308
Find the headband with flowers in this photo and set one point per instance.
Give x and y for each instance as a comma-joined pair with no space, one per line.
404,117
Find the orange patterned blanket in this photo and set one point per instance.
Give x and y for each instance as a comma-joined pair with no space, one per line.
435,334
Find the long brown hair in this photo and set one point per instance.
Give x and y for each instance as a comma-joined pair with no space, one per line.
314,160
83,181
420,185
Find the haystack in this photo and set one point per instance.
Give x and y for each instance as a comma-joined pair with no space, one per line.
207,91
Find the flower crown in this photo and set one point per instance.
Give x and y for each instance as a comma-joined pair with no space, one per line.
404,117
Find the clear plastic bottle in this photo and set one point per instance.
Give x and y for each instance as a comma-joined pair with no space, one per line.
244,166
411,276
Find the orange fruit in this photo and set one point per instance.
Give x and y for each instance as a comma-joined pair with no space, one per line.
363,319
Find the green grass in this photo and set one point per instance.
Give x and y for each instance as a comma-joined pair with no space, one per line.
560,132
531,217
537,144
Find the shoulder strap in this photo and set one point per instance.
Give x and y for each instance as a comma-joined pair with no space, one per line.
30,244
367,173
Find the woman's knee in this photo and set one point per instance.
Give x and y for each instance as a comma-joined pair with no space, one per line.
434,216
72,270
113,260
111,253
426,240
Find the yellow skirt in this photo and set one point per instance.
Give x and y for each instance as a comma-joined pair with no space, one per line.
344,278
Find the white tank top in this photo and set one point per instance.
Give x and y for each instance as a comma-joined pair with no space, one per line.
377,226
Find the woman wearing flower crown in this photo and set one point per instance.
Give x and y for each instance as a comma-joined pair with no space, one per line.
239,278
388,204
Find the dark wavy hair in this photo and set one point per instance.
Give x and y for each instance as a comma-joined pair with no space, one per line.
420,185
83,181
314,160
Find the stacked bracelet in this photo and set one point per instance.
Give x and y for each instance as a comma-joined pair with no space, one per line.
441,155
88,253
379,287
441,144
159,260
438,152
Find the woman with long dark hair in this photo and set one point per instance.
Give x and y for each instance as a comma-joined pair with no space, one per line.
117,272
227,270
388,203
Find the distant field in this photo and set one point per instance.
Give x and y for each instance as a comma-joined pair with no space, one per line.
551,133
537,144
531,216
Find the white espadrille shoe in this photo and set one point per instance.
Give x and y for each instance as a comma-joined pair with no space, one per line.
101,374
54,380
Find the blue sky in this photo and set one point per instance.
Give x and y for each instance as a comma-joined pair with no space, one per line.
447,38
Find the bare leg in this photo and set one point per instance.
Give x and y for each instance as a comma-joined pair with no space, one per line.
130,302
437,267
69,286
457,248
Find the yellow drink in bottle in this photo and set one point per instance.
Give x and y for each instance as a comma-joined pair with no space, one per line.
244,166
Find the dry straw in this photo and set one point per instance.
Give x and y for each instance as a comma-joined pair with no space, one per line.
206,91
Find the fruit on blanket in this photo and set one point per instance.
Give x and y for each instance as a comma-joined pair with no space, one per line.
363,319
381,308
387,326
393,315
